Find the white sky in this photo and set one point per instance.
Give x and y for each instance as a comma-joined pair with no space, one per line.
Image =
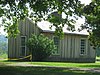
79,21
86,2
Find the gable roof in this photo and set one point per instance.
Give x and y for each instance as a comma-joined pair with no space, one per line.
45,27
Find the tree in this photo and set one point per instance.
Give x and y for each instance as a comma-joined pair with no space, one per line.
3,47
13,10
41,47
92,22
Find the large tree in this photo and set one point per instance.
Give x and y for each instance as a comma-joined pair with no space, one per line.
13,10
92,21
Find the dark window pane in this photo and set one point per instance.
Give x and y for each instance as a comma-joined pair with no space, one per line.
56,42
22,41
23,38
22,51
83,46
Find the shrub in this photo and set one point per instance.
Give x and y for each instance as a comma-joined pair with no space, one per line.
40,46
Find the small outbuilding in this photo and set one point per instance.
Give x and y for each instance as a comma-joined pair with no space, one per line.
74,47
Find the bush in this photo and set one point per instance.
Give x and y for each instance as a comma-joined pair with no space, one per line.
41,47
3,54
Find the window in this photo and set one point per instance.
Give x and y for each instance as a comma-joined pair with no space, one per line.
23,45
83,46
56,42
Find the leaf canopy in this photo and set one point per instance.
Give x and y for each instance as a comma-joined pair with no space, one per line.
92,22
12,11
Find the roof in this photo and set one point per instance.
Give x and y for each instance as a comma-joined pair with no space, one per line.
45,26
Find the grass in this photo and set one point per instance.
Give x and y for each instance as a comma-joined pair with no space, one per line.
56,64
58,68
64,64
98,57
41,71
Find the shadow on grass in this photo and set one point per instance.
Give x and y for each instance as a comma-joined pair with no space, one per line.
6,70
7,60
65,64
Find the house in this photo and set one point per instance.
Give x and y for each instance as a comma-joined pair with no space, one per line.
74,47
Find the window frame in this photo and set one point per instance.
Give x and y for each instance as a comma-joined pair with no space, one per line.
83,46
57,52
23,47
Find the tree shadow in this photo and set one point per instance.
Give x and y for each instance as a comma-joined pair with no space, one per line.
13,70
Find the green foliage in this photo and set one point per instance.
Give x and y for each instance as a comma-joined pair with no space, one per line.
13,10
3,56
3,47
3,50
40,46
92,15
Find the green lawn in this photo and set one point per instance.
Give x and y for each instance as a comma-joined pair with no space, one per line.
41,71
65,64
98,58
57,64
58,68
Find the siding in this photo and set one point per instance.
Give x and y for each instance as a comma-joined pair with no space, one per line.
70,47
26,28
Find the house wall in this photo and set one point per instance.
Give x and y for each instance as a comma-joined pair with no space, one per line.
26,28
69,46
69,49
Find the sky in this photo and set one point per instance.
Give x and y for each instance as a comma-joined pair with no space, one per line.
86,2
